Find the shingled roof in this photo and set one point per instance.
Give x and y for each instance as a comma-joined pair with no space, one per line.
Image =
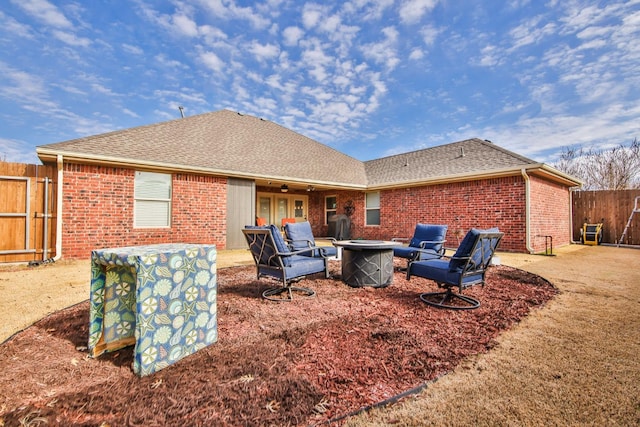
458,160
222,142
236,145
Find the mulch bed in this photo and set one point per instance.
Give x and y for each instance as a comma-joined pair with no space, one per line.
298,363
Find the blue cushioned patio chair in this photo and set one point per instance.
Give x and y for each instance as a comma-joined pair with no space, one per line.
274,258
427,243
467,267
300,236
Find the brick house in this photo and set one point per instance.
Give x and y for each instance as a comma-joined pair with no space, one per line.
200,179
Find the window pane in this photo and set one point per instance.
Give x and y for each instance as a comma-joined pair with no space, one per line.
152,194
373,217
373,200
149,185
151,213
264,208
331,202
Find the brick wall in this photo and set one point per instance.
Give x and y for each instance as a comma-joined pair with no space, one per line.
98,211
550,213
482,204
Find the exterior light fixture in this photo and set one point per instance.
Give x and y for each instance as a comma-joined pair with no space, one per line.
284,188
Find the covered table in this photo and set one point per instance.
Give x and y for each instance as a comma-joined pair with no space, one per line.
160,298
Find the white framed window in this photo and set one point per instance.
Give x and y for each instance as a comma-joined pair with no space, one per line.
372,206
152,200
330,207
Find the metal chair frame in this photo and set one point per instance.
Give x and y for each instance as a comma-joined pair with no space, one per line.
473,264
270,262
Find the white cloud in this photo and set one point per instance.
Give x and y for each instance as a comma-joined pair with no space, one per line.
384,52
132,49
185,25
12,150
591,32
412,11
71,39
182,97
264,51
490,56
163,60
130,113
10,26
429,34
531,32
212,61
45,12
312,14
95,87
292,36
416,54
369,9
26,89
228,9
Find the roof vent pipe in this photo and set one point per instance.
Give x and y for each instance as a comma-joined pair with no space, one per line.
461,151
181,108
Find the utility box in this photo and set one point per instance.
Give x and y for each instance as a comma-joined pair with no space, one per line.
591,234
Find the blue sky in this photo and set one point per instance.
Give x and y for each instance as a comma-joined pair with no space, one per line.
369,78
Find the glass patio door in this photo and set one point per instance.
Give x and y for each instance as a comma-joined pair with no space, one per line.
274,207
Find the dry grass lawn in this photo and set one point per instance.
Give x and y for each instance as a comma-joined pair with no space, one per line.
574,362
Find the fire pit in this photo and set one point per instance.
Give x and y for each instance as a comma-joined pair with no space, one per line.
367,262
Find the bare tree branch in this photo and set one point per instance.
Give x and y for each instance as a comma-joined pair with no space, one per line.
617,168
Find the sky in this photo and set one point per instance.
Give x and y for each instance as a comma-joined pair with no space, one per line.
370,78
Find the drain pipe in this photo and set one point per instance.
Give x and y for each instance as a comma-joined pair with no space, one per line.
527,210
59,210
571,192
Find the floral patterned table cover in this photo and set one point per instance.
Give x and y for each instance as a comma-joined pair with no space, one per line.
160,298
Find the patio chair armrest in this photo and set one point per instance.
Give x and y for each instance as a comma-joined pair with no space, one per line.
425,242
290,242
400,239
329,238
303,251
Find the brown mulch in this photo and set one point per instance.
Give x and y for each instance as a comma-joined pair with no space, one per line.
299,363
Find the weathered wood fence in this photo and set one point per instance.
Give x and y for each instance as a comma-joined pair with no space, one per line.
27,212
612,208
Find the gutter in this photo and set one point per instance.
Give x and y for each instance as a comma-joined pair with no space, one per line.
59,209
48,155
527,210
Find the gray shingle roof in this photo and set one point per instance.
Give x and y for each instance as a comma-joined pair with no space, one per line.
220,142
464,158
228,143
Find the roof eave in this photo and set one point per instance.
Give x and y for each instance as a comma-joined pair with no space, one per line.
46,155
556,175
539,168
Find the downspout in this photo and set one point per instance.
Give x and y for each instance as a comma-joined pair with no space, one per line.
571,191
59,210
527,210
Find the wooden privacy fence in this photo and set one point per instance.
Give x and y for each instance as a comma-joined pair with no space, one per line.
27,212
612,208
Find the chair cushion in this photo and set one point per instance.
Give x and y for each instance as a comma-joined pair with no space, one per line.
405,252
300,234
433,232
466,246
438,270
303,265
277,238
